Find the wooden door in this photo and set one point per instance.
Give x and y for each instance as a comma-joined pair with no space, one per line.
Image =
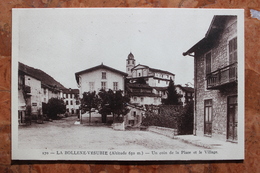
232,119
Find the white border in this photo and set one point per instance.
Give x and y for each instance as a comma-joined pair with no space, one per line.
236,153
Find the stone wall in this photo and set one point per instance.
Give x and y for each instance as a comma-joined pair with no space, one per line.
219,97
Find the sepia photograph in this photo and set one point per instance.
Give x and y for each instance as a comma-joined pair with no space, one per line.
127,84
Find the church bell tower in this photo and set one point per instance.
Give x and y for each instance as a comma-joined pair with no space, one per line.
130,63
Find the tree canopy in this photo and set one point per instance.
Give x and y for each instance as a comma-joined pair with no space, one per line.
172,95
107,102
113,102
54,107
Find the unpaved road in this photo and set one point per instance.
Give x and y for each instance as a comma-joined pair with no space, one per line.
64,134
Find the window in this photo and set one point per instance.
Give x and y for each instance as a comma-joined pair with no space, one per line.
71,103
67,102
208,117
208,63
142,99
77,102
66,95
103,85
115,86
139,74
232,48
135,98
104,75
91,86
158,81
134,113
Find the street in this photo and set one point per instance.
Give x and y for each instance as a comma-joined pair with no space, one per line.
65,134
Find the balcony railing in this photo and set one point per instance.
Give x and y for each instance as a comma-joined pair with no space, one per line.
221,77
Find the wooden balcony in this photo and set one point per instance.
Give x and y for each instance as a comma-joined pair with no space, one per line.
222,77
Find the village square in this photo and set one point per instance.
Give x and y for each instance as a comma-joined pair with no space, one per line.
141,107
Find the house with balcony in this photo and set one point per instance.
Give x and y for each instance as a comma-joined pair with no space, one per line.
215,84
142,94
35,88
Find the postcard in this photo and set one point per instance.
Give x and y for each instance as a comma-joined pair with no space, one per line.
127,84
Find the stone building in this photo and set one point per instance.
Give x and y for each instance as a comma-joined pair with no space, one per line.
215,74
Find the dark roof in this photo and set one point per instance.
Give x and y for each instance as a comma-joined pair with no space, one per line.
160,88
130,56
136,85
45,79
187,89
102,66
70,91
144,94
216,27
155,70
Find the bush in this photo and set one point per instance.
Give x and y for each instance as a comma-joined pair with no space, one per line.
172,117
185,120
55,106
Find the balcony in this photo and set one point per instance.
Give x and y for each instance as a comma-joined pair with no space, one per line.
222,77
27,89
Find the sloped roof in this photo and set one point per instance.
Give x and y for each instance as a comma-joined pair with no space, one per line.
154,69
137,85
70,91
160,88
216,27
144,94
187,89
102,66
40,75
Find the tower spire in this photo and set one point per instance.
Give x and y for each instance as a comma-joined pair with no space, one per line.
130,63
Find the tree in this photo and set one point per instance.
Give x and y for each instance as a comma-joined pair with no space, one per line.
172,95
55,106
185,120
113,102
90,100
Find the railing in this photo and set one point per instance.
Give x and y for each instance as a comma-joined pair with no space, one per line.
222,76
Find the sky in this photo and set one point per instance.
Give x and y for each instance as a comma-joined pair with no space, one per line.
62,42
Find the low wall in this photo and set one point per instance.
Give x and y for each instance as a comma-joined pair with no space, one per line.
163,131
118,126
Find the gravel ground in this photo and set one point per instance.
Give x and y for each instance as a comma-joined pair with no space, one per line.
65,134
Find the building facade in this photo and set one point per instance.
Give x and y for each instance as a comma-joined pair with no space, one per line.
146,85
186,94
134,117
215,60
35,87
71,99
100,77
